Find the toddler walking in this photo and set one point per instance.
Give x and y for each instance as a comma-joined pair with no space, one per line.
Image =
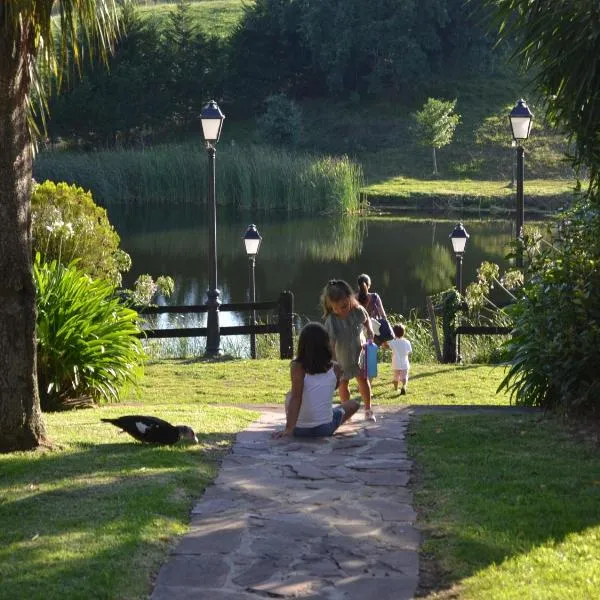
345,321
401,349
309,405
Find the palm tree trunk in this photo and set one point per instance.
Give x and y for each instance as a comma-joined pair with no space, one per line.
21,424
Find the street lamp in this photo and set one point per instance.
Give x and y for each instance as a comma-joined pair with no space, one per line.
459,237
520,122
212,122
252,241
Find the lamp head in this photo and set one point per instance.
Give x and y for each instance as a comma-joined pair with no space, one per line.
520,118
459,237
252,241
212,122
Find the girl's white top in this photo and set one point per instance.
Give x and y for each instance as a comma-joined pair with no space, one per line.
401,348
317,395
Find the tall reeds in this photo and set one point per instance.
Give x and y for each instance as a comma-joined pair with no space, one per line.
257,177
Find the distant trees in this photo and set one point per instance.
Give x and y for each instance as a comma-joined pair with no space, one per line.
157,80
163,70
435,124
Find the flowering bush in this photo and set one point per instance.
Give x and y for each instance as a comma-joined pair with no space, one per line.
68,225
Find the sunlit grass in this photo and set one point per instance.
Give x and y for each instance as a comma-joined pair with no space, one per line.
509,504
94,518
406,186
213,17
248,382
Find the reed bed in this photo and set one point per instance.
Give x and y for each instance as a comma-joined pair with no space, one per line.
248,177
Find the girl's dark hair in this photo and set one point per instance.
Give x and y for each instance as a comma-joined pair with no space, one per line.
364,282
335,291
314,349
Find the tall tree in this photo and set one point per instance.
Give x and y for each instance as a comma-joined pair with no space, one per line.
30,43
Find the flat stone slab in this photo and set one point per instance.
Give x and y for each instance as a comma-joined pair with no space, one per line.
322,519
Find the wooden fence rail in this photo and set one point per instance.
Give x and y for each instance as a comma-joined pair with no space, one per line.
284,326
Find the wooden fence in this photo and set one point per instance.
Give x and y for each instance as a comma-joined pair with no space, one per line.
284,326
449,352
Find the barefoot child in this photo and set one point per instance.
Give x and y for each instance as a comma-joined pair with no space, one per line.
309,406
401,350
345,320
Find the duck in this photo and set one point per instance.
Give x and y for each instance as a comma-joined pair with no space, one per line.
153,430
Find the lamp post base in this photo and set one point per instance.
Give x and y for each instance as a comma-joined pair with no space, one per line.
213,336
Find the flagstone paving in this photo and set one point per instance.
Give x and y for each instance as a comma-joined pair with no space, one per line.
316,519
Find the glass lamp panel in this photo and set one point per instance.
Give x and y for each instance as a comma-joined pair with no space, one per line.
521,126
252,246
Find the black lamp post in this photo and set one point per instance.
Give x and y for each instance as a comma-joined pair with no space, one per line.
520,122
212,122
459,237
252,241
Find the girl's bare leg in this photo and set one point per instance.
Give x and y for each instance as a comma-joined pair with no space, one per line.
364,387
344,391
350,407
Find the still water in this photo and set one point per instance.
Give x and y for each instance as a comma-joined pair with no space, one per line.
406,259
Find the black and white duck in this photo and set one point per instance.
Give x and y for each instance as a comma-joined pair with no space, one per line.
153,430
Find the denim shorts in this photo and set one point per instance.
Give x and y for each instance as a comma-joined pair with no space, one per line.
324,430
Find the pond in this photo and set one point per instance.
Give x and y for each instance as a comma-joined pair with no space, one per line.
407,259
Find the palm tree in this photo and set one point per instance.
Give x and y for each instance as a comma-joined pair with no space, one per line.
33,43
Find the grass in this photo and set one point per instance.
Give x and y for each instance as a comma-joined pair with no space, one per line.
252,177
212,17
510,499
408,192
204,383
95,517
510,507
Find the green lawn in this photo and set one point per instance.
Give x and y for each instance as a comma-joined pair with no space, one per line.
411,192
213,17
510,507
508,497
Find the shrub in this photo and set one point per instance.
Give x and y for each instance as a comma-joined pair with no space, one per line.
68,225
282,121
88,344
555,348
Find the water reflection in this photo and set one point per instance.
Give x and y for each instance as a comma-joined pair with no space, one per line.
407,259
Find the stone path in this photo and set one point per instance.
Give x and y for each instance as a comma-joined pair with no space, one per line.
323,519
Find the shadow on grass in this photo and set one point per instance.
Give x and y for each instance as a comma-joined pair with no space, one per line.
489,488
95,521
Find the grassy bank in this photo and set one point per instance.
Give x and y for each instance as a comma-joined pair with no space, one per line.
212,17
498,197
95,517
509,505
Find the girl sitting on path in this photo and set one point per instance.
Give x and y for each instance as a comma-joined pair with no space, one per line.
308,406
345,319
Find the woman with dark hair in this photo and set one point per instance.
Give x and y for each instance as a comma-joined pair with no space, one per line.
372,303
315,377
370,300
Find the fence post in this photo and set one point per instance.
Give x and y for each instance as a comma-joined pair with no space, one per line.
286,325
434,331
